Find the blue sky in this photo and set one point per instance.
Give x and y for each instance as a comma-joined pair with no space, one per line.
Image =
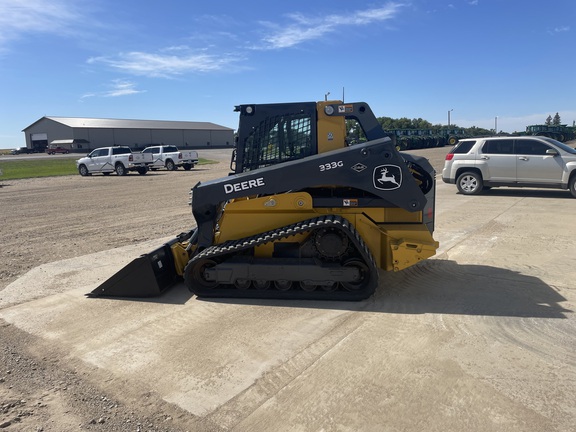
176,60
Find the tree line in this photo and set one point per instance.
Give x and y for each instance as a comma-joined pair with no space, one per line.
389,123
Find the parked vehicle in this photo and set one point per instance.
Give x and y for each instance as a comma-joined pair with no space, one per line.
561,133
107,160
482,163
169,157
21,150
56,149
304,215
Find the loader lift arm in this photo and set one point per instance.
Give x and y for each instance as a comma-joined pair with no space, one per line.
351,167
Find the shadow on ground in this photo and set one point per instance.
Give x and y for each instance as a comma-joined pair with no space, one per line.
433,286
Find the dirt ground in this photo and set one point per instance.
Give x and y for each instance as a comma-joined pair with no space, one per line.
43,388
52,219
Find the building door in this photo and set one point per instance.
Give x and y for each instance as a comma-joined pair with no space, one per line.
39,142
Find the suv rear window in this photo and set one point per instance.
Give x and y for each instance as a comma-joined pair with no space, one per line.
499,146
463,147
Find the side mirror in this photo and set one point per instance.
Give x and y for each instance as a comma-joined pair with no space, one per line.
552,152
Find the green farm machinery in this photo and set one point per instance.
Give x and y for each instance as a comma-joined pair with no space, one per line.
560,133
410,139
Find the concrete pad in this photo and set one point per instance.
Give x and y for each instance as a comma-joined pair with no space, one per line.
482,338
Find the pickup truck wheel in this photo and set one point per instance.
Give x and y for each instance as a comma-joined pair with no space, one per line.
83,171
142,171
469,183
170,165
188,167
572,185
120,170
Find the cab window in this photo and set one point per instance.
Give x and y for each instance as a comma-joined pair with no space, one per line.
121,150
278,139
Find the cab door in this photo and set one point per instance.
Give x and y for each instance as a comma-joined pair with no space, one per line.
98,160
534,165
157,162
497,160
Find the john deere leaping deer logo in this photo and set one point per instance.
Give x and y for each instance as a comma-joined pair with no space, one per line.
387,177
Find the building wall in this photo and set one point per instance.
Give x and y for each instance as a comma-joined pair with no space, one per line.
222,138
53,129
162,136
137,139
205,138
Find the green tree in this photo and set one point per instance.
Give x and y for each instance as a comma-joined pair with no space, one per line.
556,120
548,121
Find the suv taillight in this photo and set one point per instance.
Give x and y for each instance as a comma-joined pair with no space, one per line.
130,158
179,155
449,156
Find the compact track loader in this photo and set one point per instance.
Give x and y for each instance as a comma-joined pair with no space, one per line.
303,215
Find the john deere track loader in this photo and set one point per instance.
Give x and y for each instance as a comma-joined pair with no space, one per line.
304,215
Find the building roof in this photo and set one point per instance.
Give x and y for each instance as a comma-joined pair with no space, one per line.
69,141
100,123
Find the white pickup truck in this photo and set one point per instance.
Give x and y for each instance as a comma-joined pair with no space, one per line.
117,159
169,157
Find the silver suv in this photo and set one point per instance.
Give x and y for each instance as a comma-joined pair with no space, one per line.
476,164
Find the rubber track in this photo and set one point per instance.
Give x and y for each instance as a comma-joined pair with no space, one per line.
236,246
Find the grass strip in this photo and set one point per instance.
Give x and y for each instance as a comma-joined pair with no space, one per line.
33,167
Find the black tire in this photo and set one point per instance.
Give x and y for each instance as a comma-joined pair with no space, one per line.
142,171
83,170
188,167
170,166
120,169
469,183
572,185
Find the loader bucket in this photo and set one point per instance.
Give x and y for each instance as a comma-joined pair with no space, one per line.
147,276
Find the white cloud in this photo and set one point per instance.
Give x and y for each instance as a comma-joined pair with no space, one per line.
22,17
303,28
165,65
118,87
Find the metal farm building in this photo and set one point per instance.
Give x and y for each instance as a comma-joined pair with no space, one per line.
85,134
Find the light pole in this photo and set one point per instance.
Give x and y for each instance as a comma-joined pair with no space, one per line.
449,111
496,125
326,96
